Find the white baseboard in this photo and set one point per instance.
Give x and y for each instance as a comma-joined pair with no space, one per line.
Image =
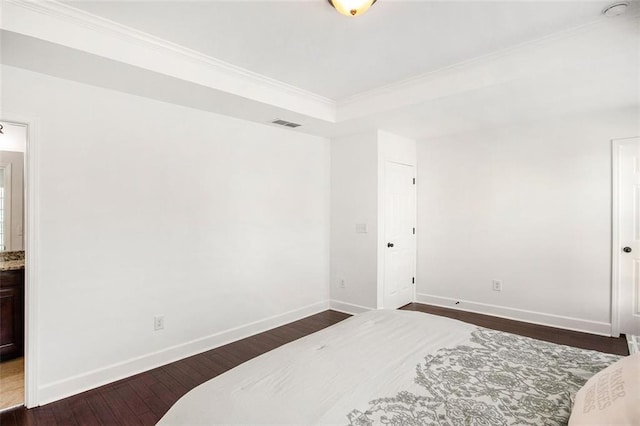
73,385
347,308
558,321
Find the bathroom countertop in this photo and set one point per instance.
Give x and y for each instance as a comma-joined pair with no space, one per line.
11,260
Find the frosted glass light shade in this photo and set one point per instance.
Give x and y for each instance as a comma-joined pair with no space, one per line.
352,7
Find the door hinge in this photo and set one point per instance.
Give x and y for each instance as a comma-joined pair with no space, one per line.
413,280
414,181
414,231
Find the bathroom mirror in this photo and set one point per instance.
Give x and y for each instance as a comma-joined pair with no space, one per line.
12,150
5,189
3,224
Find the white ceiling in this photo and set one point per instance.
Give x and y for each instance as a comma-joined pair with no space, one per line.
308,45
591,67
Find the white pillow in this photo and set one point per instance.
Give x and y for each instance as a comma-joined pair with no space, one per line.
611,397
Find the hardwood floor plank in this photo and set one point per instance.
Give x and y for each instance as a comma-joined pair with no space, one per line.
230,356
306,328
26,417
221,363
99,407
8,418
163,395
289,333
271,339
215,364
184,374
119,407
328,318
141,384
149,418
175,388
44,416
62,412
202,364
260,345
155,394
131,398
313,323
239,351
193,370
82,412
157,406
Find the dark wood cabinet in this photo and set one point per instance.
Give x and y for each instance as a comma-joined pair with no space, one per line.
11,314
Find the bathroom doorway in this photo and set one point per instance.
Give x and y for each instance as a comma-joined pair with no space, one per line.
13,151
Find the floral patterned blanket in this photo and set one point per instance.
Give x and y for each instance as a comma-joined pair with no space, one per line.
498,379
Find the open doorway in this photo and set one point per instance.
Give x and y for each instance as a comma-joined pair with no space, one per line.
13,147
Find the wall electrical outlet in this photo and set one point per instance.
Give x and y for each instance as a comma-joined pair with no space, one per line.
158,322
343,284
497,285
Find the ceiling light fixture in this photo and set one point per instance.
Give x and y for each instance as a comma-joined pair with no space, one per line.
351,7
615,9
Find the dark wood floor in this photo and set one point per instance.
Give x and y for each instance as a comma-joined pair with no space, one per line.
555,335
143,399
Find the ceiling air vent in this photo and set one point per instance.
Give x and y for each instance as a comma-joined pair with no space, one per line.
286,123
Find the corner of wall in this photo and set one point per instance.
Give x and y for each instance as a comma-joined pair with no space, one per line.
353,220
348,308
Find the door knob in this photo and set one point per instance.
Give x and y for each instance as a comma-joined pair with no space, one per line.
389,244
627,249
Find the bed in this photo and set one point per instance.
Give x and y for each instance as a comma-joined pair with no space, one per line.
397,367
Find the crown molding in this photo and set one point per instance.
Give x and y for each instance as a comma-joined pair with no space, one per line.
487,70
64,24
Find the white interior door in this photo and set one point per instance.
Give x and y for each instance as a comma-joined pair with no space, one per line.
399,232
628,235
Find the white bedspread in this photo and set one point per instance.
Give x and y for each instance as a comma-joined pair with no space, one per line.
332,376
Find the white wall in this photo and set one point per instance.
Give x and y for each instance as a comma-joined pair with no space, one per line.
148,208
354,192
529,205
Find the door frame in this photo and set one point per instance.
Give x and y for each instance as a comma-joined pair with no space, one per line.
31,248
615,231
